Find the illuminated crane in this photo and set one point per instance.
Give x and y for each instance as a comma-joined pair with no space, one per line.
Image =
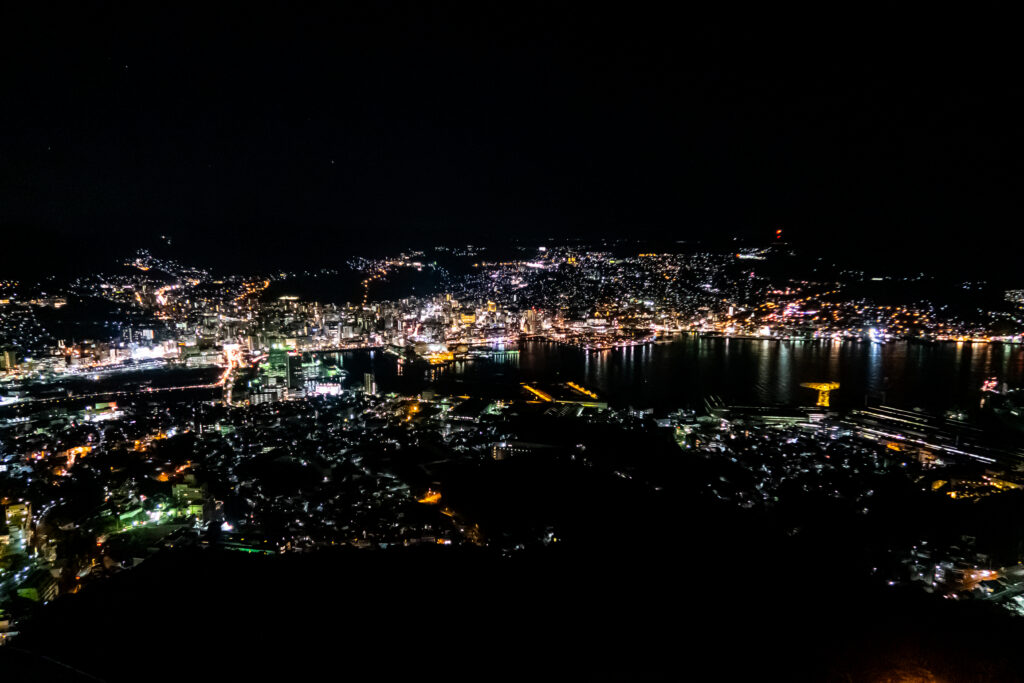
822,388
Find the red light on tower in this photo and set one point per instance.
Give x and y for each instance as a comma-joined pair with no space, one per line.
778,234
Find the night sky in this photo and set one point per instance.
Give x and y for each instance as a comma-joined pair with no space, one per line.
312,133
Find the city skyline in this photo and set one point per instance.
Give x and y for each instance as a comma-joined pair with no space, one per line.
458,341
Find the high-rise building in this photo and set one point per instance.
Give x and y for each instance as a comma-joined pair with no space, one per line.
8,358
296,379
277,366
19,515
369,383
531,325
284,369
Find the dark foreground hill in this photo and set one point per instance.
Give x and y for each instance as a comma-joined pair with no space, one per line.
455,615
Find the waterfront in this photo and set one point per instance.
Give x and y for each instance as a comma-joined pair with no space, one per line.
680,373
132,378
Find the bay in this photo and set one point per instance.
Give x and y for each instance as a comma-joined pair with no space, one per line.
683,371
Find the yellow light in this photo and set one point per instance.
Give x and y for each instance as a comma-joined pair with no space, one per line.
542,395
823,389
580,389
431,497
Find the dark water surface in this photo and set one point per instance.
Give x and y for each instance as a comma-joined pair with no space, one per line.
682,372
